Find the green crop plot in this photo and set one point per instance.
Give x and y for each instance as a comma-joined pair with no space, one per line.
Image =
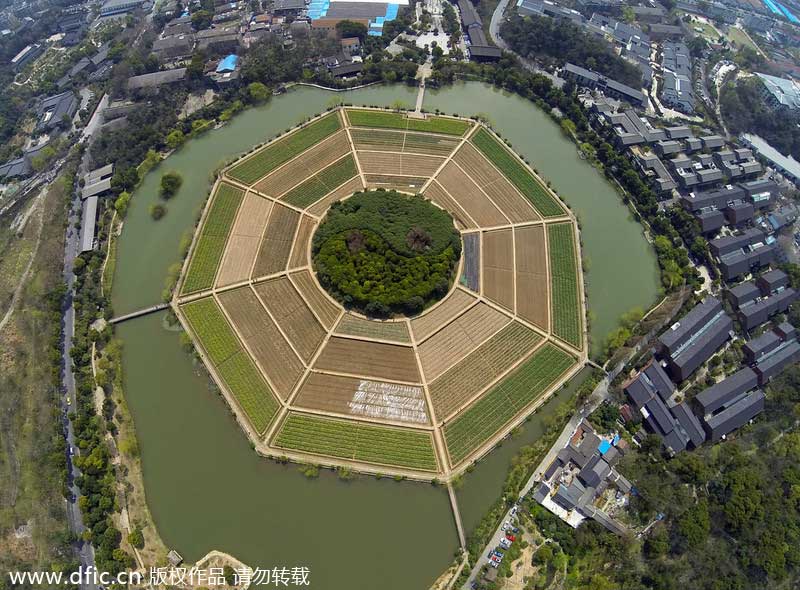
270,157
250,390
387,120
513,169
565,306
232,362
211,242
357,441
212,329
505,400
319,185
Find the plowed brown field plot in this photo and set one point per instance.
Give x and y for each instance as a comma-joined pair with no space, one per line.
305,165
497,188
480,368
353,325
242,247
405,164
441,197
262,339
325,309
433,145
379,162
386,141
467,194
345,190
443,312
277,243
299,255
498,267
460,337
532,282
407,184
370,359
292,314
380,400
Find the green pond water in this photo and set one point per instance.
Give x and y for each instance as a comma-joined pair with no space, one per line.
206,487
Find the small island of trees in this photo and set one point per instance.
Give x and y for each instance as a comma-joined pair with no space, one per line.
383,253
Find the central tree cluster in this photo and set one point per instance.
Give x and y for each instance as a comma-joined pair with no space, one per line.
384,253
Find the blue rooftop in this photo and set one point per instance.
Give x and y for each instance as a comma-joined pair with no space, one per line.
604,446
228,64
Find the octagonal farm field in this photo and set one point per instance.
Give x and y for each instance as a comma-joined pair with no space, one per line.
421,396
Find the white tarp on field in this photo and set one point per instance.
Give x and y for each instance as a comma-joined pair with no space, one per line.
389,401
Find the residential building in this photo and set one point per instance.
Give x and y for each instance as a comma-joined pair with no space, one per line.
174,47
716,397
677,91
88,223
607,86
112,7
663,31
786,165
691,341
26,56
218,40
55,111
757,301
735,414
740,253
779,93
156,79
649,14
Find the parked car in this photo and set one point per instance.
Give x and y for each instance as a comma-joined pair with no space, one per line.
505,543
511,538
494,564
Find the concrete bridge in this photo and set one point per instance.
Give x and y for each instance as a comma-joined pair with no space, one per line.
138,313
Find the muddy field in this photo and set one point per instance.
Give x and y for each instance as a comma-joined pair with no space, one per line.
370,359
326,310
469,197
273,254
441,197
242,247
481,368
498,267
263,339
458,338
380,400
292,314
300,248
532,283
446,310
353,325
406,184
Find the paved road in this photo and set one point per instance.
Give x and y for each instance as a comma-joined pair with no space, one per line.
85,550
